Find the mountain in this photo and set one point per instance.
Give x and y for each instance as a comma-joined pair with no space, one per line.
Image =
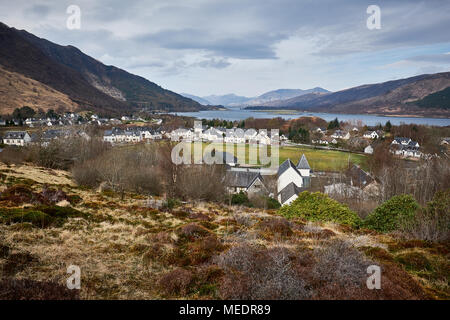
88,83
440,99
200,100
396,97
233,100
226,100
282,94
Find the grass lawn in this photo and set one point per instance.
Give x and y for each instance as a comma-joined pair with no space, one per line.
319,160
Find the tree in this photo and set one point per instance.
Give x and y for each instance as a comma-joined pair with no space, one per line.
51,114
333,124
388,126
23,113
302,136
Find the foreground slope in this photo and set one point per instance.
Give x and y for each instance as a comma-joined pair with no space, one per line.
128,250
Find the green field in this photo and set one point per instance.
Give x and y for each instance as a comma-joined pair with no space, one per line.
319,160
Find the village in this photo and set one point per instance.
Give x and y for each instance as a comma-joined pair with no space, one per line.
283,184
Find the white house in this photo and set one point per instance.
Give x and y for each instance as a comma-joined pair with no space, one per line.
287,173
234,136
339,134
405,147
212,134
289,194
368,149
250,135
181,134
263,138
16,138
321,130
404,141
116,135
371,135
305,170
291,179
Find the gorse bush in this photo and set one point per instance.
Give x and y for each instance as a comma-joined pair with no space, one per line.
272,203
431,223
240,198
317,206
392,214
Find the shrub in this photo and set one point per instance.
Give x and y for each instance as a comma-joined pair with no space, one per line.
17,262
177,282
19,194
13,155
272,203
339,262
199,216
202,250
392,214
19,215
414,261
252,272
86,174
172,203
192,231
432,223
39,216
276,225
241,199
25,289
319,207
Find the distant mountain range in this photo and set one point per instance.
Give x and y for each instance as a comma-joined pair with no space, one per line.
423,95
232,100
39,73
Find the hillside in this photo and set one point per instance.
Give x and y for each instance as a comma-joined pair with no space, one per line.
440,99
128,250
196,98
395,97
17,91
281,95
89,83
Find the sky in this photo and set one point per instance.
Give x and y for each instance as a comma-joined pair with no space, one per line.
248,47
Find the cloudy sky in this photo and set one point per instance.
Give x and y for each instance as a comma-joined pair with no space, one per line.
248,47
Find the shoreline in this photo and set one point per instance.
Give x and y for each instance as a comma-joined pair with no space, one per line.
294,112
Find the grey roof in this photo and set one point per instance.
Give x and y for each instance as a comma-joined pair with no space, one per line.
303,163
242,179
286,165
15,135
359,177
288,191
53,134
402,139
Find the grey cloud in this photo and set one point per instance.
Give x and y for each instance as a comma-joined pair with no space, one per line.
435,58
37,11
213,63
255,45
